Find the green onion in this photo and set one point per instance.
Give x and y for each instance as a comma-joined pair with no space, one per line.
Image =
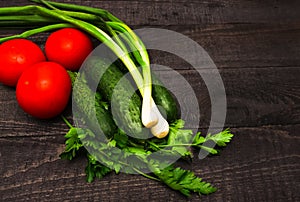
107,16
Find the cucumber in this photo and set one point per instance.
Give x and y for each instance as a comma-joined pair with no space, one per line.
120,93
89,105
161,96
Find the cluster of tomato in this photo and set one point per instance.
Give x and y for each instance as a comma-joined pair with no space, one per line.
42,83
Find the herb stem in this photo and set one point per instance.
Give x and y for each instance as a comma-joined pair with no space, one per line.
145,175
154,145
176,145
66,121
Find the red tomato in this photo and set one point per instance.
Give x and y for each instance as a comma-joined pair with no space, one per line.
43,90
15,56
68,47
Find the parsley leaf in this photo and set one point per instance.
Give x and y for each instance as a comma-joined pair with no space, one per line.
73,145
95,169
179,136
184,181
221,139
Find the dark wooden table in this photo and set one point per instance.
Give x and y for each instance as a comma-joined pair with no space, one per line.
256,47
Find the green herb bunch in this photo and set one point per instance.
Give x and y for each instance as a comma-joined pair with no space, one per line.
137,153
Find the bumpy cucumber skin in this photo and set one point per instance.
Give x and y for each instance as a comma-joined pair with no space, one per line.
115,88
87,105
162,97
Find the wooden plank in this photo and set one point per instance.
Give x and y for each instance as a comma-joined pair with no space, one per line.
239,45
261,164
194,12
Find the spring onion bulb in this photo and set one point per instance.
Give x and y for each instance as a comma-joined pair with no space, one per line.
161,129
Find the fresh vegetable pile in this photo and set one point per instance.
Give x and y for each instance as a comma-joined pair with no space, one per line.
134,136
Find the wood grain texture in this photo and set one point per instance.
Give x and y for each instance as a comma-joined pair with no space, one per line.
240,45
185,12
255,45
260,164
